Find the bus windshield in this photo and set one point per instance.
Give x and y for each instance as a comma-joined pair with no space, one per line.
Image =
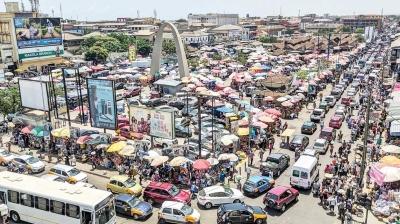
105,214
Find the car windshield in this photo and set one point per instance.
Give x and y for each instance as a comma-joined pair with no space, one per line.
32,160
272,160
252,184
318,144
272,197
297,140
173,190
73,172
317,112
229,191
328,99
187,210
129,183
133,202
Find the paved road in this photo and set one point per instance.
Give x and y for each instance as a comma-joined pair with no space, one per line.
306,210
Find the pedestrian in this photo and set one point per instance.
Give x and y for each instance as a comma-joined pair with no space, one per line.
3,212
261,155
331,149
73,160
248,172
67,160
332,204
251,157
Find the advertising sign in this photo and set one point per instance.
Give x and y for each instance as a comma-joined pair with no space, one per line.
38,37
132,53
157,123
102,106
34,94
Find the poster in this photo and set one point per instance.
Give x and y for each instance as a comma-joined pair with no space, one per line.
34,94
132,53
102,106
157,123
38,37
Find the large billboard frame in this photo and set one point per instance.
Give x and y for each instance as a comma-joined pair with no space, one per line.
114,102
38,38
172,114
49,108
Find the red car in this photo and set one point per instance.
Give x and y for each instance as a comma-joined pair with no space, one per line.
135,91
158,192
280,197
126,132
335,122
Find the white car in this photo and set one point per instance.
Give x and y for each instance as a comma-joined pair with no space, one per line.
6,157
30,163
340,113
321,145
317,115
69,173
177,212
218,195
53,177
165,143
311,152
330,100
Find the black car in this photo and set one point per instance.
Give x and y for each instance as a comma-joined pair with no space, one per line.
299,141
177,104
275,163
241,213
155,102
182,132
119,85
308,127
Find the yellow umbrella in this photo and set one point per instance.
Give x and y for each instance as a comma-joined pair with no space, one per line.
128,150
116,147
243,131
159,161
390,160
61,132
177,161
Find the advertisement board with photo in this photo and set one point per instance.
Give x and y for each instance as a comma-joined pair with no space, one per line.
102,104
156,123
34,94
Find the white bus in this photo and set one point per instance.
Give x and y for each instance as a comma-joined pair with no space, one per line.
37,200
304,172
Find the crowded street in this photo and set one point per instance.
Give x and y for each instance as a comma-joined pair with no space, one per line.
236,122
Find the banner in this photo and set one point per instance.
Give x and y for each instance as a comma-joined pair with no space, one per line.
34,94
102,104
38,37
132,53
157,123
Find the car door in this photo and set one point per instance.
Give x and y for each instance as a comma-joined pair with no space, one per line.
234,217
225,197
64,175
120,187
179,217
246,217
119,207
161,195
167,214
290,196
262,186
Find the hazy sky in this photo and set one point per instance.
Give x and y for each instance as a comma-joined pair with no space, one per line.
175,9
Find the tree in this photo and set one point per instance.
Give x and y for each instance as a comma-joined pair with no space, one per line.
193,62
10,101
96,54
302,74
360,38
169,47
242,58
216,56
346,29
143,47
268,39
359,30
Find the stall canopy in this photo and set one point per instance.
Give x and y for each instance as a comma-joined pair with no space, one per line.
395,128
225,110
288,132
392,149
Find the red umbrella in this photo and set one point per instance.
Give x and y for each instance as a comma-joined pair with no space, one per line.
260,124
27,129
201,164
273,111
83,139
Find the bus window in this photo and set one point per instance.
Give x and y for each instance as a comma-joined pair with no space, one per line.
72,211
3,197
13,197
86,217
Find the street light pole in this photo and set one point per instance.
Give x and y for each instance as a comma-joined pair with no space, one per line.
250,120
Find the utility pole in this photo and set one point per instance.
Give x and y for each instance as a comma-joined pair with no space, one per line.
66,96
250,119
199,99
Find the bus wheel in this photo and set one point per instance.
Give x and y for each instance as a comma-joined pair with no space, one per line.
14,216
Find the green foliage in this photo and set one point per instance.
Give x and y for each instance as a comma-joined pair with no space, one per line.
242,58
360,38
268,39
346,29
216,56
143,47
359,30
193,62
10,101
168,47
302,74
97,54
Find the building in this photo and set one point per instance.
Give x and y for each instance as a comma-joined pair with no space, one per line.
229,33
139,27
362,21
197,38
72,41
395,54
212,19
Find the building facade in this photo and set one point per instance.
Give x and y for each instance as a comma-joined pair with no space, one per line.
213,19
362,21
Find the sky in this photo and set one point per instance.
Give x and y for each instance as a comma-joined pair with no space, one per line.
89,10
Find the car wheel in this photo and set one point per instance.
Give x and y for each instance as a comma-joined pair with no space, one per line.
14,216
208,205
236,201
30,171
283,208
296,199
161,221
259,221
135,217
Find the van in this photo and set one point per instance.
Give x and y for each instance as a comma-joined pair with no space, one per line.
304,172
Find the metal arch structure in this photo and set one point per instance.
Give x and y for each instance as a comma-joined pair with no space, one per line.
180,51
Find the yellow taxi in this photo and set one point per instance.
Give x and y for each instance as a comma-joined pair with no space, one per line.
122,184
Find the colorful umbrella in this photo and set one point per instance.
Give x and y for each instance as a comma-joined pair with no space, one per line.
128,150
157,161
201,164
116,147
273,111
393,149
390,160
287,104
61,132
269,99
266,119
27,129
259,124
39,132
243,131
178,161
213,161
228,156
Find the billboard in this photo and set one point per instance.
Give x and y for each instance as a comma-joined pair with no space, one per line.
34,94
38,37
157,123
102,103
